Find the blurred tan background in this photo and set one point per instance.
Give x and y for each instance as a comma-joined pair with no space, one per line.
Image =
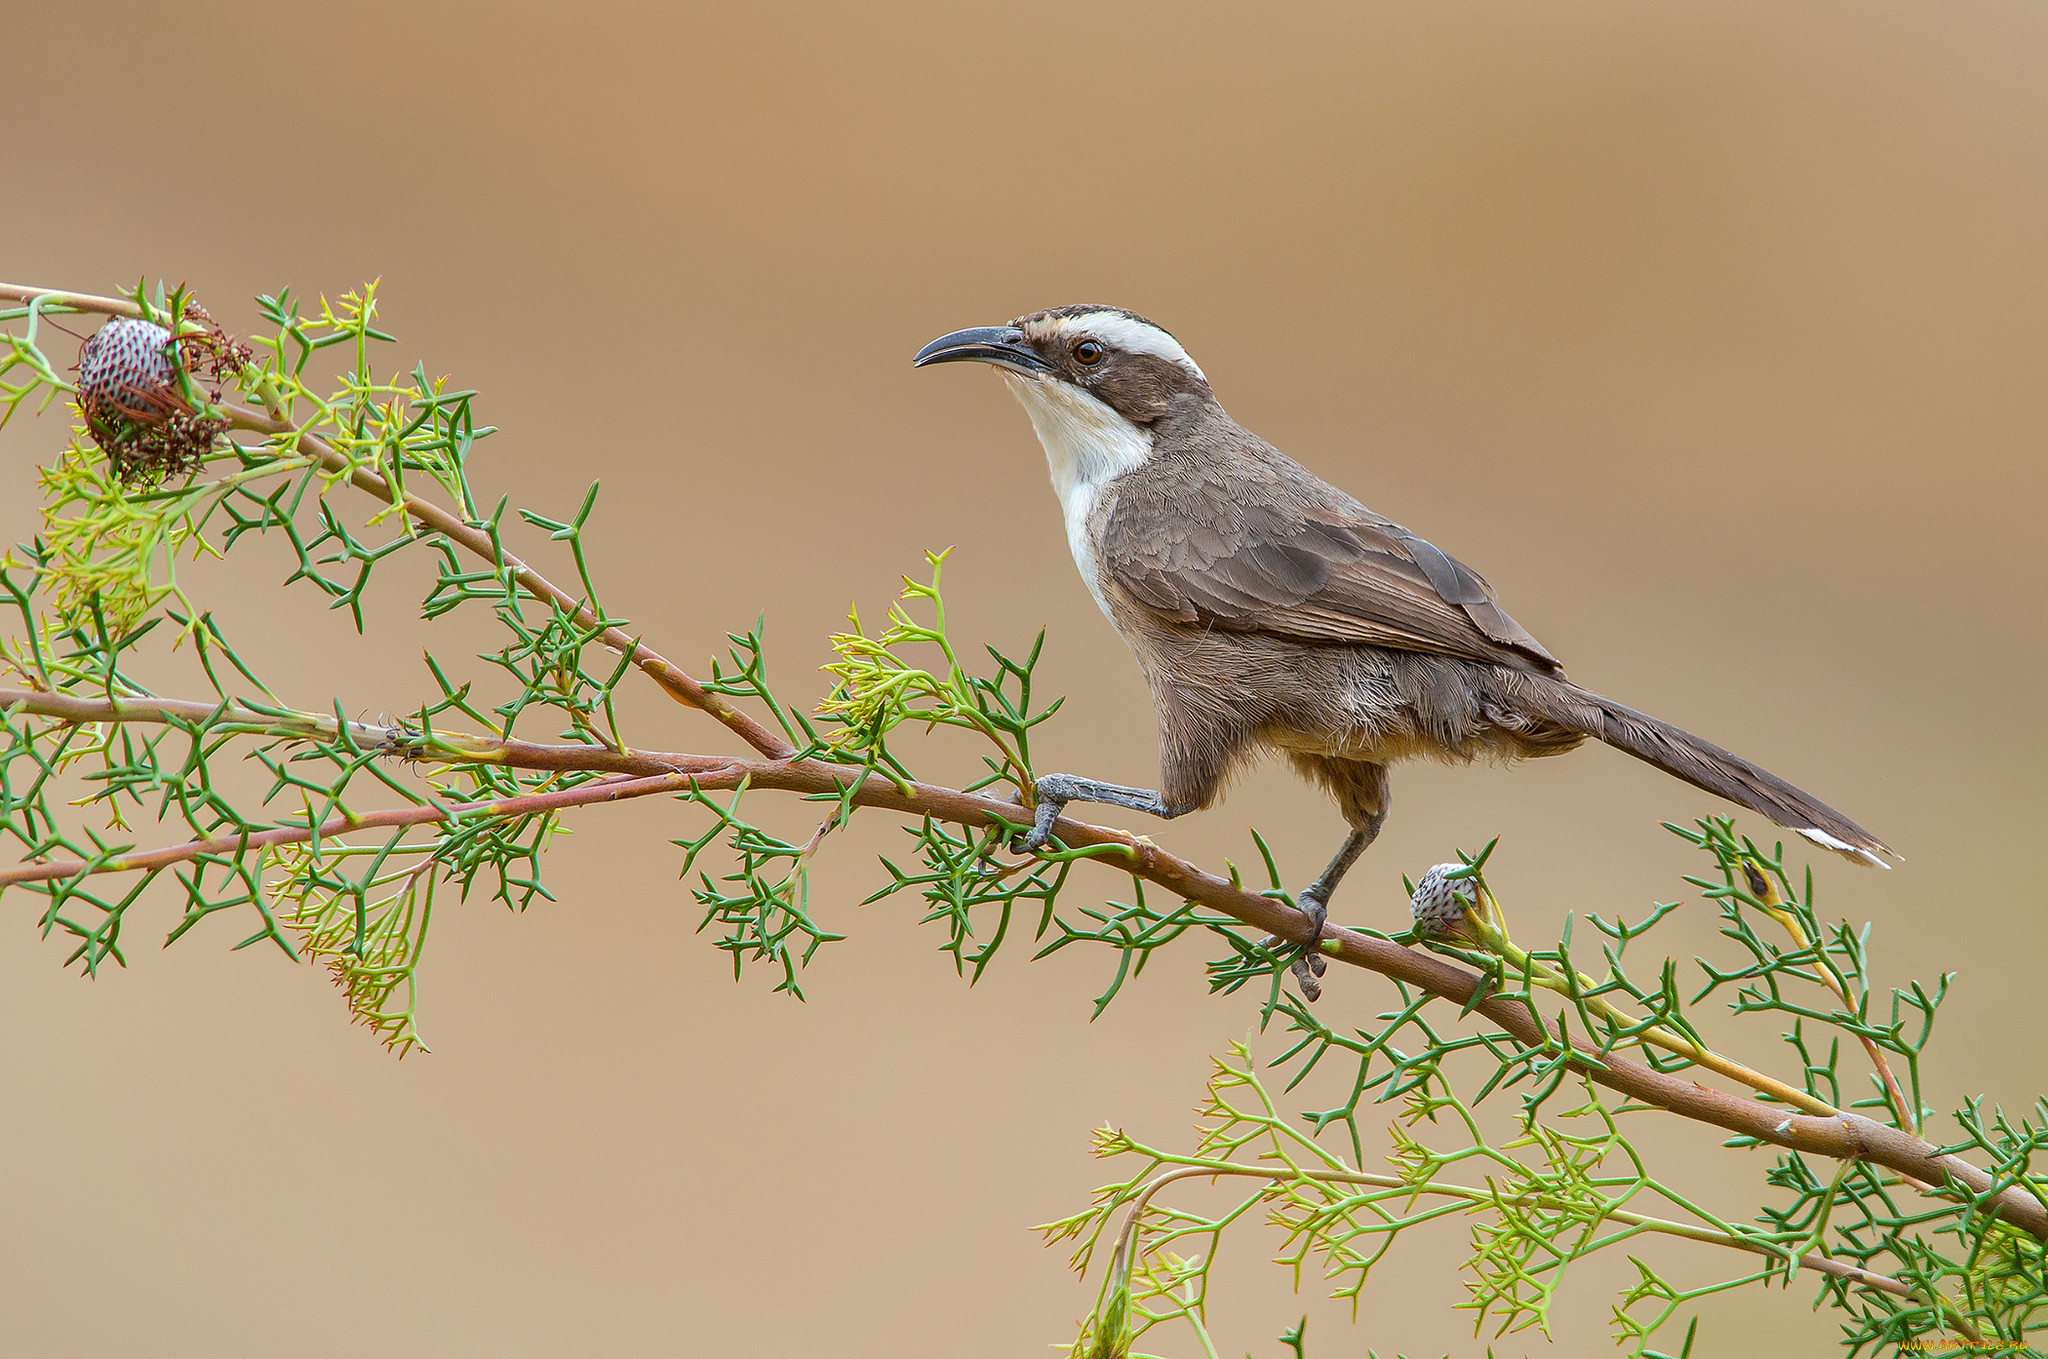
1669,319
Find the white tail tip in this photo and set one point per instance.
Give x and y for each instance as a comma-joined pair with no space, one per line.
1843,847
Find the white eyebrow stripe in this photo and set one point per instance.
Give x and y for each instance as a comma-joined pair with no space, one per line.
1133,337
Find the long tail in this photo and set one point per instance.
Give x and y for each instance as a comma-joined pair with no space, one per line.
1704,765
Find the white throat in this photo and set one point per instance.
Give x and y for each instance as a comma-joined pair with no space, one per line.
1087,446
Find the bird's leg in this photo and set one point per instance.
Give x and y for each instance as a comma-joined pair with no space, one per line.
1055,791
1314,902
1360,787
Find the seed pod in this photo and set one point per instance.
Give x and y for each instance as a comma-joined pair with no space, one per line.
1440,902
128,393
124,373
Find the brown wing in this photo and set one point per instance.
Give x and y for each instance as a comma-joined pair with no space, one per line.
1299,559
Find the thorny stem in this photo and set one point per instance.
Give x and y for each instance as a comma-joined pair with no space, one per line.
1845,1135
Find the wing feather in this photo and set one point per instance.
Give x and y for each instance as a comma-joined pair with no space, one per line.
1293,557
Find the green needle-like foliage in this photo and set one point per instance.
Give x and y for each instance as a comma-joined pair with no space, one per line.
879,690
1899,1262
1509,1081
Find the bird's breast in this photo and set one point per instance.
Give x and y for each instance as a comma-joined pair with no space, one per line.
1078,505
1087,446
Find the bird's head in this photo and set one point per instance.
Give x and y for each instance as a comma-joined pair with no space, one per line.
1078,358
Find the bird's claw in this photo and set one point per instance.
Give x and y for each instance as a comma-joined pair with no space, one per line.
1307,961
1043,816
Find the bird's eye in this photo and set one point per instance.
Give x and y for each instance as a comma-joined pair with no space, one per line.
1088,353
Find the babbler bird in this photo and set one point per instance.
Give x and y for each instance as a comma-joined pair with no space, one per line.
1268,609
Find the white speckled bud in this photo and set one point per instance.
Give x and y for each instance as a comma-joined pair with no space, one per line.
1440,902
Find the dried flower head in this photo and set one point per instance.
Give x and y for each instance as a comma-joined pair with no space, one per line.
211,353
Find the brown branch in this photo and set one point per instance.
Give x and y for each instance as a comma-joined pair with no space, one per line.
1847,1136
429,515
582,795
399,741
1843,1137
105,306
657,667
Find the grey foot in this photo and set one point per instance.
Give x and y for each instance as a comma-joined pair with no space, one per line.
1055,791
1308,962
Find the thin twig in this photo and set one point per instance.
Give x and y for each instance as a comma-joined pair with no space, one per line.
582,795
657,667
1665,1226
678,684
1846,1135
1775,906
1840,1136
1884,1283
57,297
1656,1035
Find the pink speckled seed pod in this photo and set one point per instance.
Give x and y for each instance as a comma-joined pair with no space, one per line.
123,364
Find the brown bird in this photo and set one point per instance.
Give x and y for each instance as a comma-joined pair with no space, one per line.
1268,609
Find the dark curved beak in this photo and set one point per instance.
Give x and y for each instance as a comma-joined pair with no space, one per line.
1003,346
